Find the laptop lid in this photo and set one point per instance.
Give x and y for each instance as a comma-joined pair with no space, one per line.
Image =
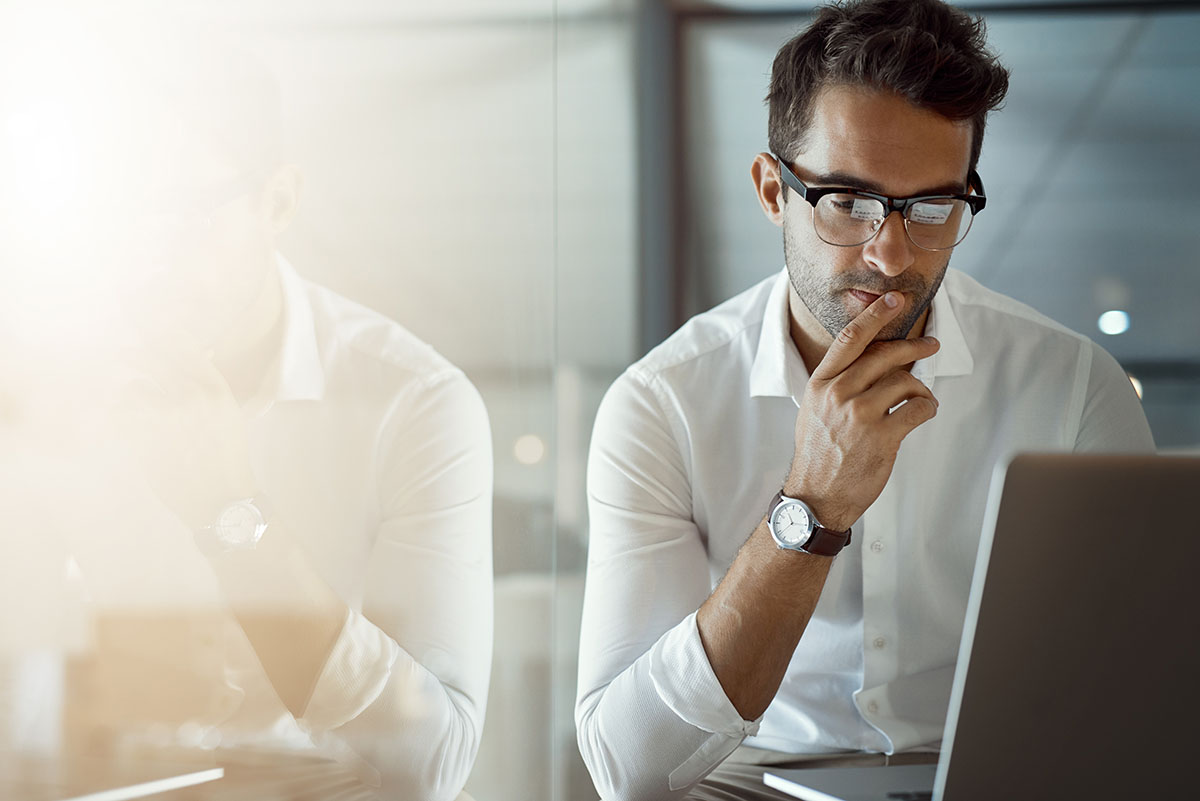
1077,669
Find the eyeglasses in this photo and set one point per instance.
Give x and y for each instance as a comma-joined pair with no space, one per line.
203,201
185,214
848,217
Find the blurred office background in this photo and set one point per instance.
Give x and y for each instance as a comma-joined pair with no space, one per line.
1089,171
544,189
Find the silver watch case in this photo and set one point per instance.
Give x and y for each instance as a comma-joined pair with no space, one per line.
791,523
238,527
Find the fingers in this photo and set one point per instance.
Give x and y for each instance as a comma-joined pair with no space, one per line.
881,358
859,333
892,390
912,414
912,401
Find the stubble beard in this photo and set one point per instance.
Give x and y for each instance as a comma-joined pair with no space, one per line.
825,297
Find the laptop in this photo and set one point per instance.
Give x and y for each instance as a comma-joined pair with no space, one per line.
1079,668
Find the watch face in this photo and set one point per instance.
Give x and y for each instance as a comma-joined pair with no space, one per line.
791,524
240,525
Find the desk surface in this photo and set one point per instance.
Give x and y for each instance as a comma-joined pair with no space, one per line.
178,776
28,778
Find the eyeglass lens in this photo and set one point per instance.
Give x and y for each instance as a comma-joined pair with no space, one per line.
935,224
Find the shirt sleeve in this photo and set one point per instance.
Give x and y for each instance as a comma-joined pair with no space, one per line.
405,686
651,717
1112,419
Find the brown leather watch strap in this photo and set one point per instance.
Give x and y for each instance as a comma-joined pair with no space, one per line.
825,542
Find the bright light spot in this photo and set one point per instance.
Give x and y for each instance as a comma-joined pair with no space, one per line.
21,126
529,449
1137,385
71,153
48,163
1114,322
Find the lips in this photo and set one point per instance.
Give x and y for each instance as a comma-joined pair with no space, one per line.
866,298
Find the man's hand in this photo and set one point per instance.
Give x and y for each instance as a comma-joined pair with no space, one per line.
846,437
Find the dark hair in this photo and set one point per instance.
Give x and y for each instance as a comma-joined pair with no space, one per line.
931,54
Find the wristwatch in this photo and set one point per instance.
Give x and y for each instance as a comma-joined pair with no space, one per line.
238,527
794,527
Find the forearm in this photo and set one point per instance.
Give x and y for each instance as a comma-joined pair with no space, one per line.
754,619
286,610
344,677
660,725
858,405
420,733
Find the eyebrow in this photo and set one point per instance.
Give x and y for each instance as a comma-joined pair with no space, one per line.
854,182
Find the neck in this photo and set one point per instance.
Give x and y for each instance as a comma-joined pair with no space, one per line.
244,351
811,338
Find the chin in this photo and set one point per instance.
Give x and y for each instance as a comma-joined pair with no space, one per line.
894,331
166,323
898,329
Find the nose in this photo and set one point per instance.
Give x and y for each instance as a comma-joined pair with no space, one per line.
890,250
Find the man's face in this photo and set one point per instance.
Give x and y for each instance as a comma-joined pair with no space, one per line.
878,142
202,247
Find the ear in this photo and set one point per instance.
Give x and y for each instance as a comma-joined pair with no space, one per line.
282,196
768,186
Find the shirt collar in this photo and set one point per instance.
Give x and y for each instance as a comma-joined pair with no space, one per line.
954,357
779,372
297,373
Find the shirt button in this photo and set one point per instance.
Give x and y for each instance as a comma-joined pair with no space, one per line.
880,642
873,708
877,546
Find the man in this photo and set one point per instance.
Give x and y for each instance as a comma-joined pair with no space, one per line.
287,542
866,388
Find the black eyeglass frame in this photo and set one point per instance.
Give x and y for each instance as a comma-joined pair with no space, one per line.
203,201
813,195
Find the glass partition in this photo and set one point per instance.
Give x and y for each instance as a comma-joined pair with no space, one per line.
279,455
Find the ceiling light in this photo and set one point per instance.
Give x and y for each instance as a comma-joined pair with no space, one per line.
529,449
1114,322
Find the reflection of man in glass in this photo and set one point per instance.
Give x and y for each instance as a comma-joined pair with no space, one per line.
299,466
786,496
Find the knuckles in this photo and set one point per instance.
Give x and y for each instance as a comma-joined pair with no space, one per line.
838,392
917,411
849,334
858,411
903,378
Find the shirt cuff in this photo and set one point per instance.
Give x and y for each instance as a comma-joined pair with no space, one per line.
354,675
685,682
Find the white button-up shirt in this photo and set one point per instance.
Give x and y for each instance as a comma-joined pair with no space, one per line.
374,453
690,445
377,453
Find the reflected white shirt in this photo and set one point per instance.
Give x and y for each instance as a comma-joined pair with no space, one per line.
690,445
378,453
374,452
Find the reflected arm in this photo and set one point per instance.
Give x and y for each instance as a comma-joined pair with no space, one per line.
404,682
